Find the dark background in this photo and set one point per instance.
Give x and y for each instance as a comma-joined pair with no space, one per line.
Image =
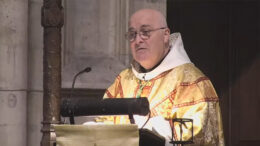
222,38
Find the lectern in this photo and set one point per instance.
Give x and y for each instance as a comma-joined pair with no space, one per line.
101,134
110,135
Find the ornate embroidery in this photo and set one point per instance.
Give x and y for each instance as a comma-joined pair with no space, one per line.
183,92
109,94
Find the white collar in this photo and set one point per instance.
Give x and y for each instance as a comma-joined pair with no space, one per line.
176,57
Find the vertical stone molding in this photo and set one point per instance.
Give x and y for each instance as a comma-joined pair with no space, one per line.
13,72
35,74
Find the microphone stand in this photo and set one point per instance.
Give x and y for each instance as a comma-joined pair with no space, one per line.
87,69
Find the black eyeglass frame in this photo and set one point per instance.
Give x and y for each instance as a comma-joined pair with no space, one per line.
143,34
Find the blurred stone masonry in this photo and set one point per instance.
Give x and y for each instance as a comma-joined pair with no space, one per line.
92,35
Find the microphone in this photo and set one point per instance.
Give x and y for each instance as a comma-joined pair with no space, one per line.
109,106
87,69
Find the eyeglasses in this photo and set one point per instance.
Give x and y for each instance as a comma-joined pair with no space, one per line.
144,34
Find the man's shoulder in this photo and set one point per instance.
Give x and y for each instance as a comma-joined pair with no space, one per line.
187,72
188,67
126,73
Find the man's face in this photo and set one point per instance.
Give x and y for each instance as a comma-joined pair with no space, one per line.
149,52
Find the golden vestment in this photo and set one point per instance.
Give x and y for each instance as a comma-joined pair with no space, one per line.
181,91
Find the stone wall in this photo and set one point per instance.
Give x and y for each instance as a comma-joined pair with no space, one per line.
93,35
13,72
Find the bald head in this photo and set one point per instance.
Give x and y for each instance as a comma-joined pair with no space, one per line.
149,15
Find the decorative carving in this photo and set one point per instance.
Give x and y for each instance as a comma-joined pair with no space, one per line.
52,15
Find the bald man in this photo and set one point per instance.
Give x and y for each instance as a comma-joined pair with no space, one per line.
162,71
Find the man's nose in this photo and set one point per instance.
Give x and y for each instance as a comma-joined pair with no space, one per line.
138,38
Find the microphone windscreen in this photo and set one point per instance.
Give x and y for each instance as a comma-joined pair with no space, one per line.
87,69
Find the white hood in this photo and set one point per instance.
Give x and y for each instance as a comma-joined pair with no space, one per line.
176,57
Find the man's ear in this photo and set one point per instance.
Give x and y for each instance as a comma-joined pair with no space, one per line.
167,31
167,35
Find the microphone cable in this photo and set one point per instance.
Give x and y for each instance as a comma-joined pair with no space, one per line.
149,116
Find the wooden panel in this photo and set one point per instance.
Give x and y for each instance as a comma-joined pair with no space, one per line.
204,28
222,38
245,92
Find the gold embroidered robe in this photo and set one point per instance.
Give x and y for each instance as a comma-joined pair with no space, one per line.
181,92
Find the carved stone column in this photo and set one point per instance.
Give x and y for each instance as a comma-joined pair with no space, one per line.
52,21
